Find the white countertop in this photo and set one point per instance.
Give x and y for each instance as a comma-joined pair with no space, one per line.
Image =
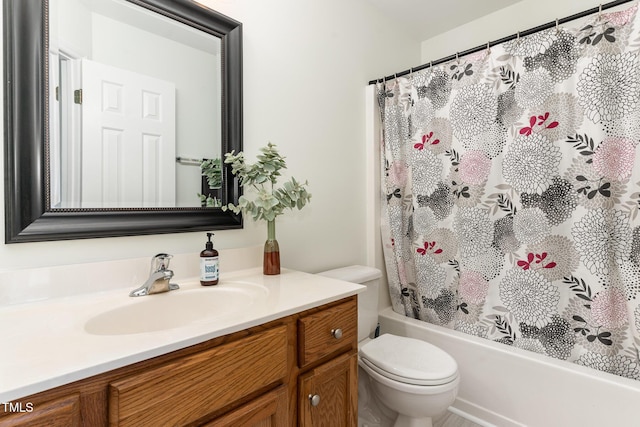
45,344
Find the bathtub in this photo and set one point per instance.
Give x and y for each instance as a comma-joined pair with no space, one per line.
506,386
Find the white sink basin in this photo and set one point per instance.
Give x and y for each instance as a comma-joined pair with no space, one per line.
175,309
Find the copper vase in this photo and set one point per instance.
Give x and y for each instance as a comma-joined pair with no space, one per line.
271,260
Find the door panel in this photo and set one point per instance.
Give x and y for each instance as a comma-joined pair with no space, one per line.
128,138
335,384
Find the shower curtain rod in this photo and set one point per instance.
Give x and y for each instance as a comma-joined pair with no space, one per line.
506,39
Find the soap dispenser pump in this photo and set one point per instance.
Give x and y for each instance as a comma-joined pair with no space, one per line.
209,264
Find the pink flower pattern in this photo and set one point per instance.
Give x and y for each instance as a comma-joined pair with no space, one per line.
473,287
622,17
475,167
398,173
609,308
614,158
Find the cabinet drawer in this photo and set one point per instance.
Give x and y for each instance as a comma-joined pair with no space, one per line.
64,412
269,410
317,336
186,390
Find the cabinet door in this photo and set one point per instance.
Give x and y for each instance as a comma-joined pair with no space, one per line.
269,410
64,412
328,394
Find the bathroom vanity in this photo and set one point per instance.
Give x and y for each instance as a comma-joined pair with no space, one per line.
288,358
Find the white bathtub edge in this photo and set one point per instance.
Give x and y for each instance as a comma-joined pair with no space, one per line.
480,416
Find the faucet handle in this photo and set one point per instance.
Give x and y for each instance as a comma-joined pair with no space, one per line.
160,262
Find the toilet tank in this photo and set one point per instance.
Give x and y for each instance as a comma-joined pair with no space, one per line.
367,300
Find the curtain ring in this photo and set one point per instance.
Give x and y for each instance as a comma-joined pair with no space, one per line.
557,26
600,11
518,36
488,47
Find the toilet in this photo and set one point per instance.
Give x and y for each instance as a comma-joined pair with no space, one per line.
411,377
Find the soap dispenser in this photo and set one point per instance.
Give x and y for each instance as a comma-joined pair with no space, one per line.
209,264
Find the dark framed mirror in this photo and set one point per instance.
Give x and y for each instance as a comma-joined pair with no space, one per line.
33,207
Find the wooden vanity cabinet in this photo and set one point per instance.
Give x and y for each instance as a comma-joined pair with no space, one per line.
262,376
328,384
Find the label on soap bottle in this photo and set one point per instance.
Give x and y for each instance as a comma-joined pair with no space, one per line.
209,269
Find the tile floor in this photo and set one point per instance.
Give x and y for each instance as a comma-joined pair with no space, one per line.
449,419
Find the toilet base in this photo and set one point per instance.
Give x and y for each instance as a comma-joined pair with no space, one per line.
415,405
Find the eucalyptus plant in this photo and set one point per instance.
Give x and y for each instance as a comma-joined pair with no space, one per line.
262,177
212,169
209,202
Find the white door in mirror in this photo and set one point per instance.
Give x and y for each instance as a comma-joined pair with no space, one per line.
128,138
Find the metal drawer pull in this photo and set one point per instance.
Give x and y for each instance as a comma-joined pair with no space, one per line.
337,333
314,399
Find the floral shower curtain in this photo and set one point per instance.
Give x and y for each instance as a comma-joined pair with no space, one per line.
511,183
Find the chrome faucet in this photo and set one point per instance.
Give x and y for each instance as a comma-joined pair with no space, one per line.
159,278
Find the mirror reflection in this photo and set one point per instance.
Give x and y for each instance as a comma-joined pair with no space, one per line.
134,108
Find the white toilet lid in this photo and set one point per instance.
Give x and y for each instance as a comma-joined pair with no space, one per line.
409,360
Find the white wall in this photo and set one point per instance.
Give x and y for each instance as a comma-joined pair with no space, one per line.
71,26
306,64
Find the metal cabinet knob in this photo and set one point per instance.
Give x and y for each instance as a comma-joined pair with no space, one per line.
337,333
314,399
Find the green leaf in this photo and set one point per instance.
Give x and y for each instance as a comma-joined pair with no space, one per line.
269,201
